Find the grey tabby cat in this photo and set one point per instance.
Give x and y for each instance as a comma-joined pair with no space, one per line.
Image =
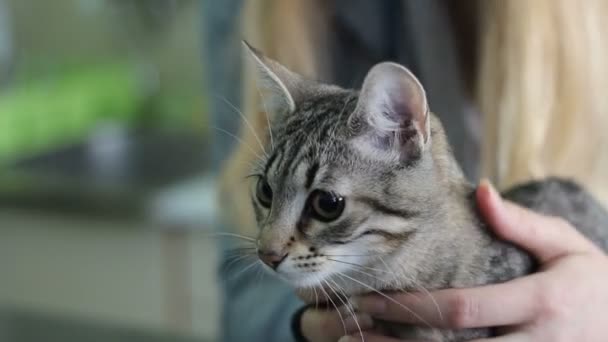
360,192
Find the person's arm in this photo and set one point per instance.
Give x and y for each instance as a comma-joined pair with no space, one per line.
256,305
565,300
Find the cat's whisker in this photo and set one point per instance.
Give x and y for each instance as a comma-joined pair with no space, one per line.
250,166
235,261
246,247
256,164
417,285
244,119
345,296
241,251
259,277
243,248
257,155
354,269
234,235
428,293
253,175
266,114
255,263
392,300
369,274
346,305
366,273
316,297
244,180
361,266
335,306
397,283
388,269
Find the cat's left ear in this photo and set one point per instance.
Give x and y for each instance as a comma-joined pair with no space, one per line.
281,88
391,117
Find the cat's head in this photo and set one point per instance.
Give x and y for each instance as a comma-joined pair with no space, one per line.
349,178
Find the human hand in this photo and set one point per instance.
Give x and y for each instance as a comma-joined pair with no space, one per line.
564,301
328,325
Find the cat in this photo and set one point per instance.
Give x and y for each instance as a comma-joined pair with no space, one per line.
360,192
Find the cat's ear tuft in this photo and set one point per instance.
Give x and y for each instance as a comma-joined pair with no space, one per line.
279,86
392,112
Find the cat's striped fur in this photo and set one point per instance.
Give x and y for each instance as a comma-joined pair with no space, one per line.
408,218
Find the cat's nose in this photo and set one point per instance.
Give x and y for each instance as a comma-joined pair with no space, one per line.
272,259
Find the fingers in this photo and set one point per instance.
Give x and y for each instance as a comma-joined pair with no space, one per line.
312,296
333,323
493,305
515,337
547,238
371,337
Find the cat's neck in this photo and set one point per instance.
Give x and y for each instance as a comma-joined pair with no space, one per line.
456,249
469,254
475,255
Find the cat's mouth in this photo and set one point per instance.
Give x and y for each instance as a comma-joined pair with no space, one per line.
310,269
332,268
303,272
316,272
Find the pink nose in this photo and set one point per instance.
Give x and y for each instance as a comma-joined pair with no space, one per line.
272,259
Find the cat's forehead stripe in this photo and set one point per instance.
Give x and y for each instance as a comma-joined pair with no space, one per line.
301,155
386,209
310,174
308,135
341,230
275,158
287,167
271,160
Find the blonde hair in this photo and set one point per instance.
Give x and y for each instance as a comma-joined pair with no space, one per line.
541,88
540,76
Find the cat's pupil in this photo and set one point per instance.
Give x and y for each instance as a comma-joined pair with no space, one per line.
264,193
326,206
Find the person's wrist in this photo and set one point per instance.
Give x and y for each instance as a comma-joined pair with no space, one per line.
296,324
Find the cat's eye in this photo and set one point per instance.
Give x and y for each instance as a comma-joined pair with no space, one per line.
326,206
263,193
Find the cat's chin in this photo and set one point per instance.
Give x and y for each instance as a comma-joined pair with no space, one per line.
303,281
311,288
312,295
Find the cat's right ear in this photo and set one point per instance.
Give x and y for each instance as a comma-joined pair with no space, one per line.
391,118
280,87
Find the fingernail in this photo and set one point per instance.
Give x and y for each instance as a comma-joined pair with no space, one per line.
484,182
494,196
370,305
347,339
364,322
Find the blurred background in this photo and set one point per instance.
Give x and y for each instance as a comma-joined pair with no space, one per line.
108,110
104,193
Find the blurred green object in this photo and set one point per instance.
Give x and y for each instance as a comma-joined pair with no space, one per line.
39,114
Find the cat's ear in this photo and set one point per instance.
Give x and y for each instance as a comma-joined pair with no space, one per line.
391,116
280,87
